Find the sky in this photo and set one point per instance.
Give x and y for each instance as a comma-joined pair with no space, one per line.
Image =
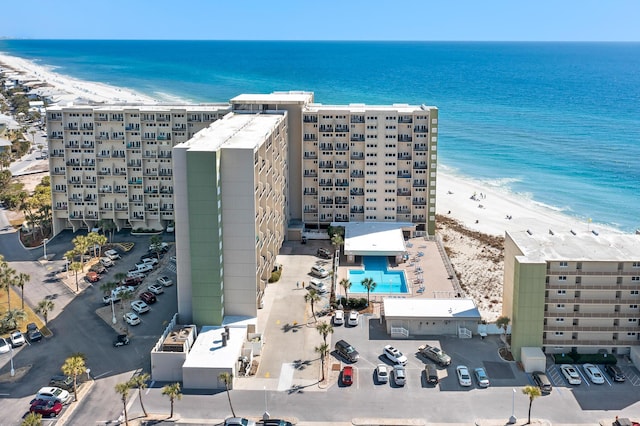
423,20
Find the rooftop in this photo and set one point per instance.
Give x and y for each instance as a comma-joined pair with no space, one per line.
431,308
577,246
374,238
400,108
275,97
145,107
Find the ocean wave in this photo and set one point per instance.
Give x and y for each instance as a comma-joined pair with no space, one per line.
504,182
565,209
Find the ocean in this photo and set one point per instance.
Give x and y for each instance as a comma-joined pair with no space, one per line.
557,123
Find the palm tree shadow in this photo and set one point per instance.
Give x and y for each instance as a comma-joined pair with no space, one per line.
300,388
291,327
299,364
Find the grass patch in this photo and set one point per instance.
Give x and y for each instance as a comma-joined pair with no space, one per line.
16,302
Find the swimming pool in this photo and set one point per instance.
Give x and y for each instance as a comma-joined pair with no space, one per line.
375,267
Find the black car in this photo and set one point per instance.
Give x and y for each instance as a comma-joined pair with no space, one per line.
615,372
323,253
542,381
33,333
347,351
63,382
98,268
275,422
431,374
121,340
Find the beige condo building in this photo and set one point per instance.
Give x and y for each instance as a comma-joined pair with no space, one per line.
572,291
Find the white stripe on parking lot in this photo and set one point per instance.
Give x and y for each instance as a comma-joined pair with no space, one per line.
286,377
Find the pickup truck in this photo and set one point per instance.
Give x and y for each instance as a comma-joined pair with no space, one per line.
116,294
435,354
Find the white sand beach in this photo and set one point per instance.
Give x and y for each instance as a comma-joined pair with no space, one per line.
474,215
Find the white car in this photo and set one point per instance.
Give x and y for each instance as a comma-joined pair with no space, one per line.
481,377
594,374
155,289
143,267
112,254
173,259
464,378
382,373
353,318
394,355
139,306
165,281
106,262
151,260
50,393
338,317
164,247
17,339
131,318
570,374
135,274
399,375
171,227
4,346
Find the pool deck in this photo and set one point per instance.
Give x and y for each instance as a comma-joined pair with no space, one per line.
434,276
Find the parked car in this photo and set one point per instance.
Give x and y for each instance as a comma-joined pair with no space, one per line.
353,318
435,354
92,277
121,340
136,274
46,408
481,377
542,381
347,375
394,355
131,318
431,374
98,268
4,346
139,306
33,333
17,339
570,373
464,378
164,247
155,289
131,281
594,374
382,373
116,294
319,271
149,255
318,286
614,372
276,422
173,259
338,317
239,421
148,297
52,393
171,227
324,253
165,281
106,262
399,375
347,351
142,267
62,382
112,254
153,261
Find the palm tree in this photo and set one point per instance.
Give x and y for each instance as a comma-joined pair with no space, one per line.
74,366
533,392
119,277
503,322
173,392
346,284
32,419
312,297
336,241
96,241
156,245
80,247
122,389
13,316
21,280
108,226
7,278
227,378
324,328
76,267
139,381
44,307
323,350
370,285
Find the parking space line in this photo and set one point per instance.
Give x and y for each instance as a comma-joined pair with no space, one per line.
604,376
584,377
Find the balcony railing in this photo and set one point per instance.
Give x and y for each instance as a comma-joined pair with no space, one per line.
357,138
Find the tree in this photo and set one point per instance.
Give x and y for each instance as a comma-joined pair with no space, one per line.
21,280
370,285
503,322
33,136
173,392
12,317
96,241
323,350
7,279
76,267
139,382
336,241
32,419
533,392
74,366
346,284
324,328
122,389
80,247
44,307
312,297
227,378
108,226
155,243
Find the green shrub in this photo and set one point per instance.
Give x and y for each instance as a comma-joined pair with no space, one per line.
275,276
576,358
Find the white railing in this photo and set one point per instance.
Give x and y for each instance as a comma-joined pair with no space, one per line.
464,333
399,331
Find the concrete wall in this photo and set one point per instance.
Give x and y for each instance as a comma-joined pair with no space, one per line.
182,235
533,359
205,378
430,326
167,366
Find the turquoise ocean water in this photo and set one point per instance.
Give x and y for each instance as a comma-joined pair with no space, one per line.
558,123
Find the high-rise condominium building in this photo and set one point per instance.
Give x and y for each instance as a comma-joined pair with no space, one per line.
572,291
115,162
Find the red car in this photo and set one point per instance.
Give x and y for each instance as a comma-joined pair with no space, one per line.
46,408
347,375
148,297
92,277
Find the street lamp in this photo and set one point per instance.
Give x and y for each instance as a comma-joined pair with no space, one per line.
113,311
88,370
45,241
266,414
13,372
512,419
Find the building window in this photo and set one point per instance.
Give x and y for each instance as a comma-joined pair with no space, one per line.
633,306
562,278
559,333
636,264
559,319
564,264
633,320
635,278
562,291
631,334
560,306
634,292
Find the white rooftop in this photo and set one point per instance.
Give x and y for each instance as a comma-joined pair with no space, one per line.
145,107
374,238
208,352
275,97
431,308
584,246
234,131
400,108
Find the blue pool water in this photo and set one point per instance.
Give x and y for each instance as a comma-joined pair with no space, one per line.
375,267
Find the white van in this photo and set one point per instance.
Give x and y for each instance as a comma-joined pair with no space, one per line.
318,286
319,271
